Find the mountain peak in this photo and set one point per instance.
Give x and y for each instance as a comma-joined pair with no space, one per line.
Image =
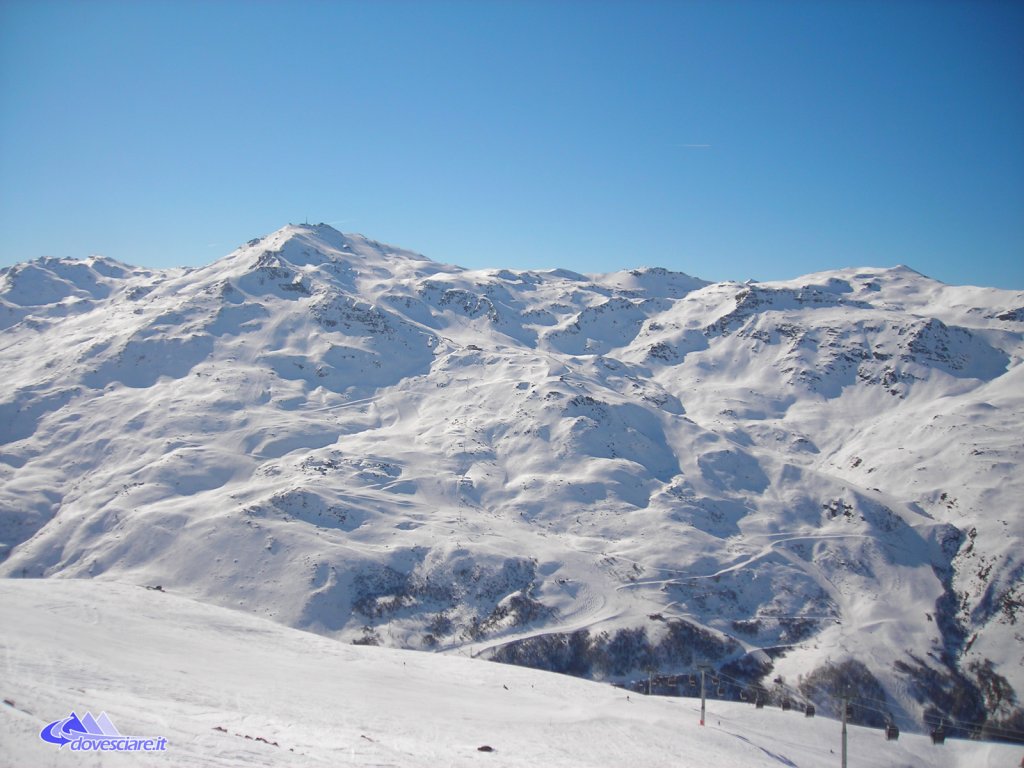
304,245
293,240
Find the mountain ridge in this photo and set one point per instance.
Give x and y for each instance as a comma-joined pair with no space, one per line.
356,440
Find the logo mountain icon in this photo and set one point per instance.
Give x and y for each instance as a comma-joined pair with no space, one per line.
73,727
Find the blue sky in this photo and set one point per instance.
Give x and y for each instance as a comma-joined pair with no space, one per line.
729,140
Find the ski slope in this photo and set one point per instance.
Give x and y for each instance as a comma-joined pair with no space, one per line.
229,689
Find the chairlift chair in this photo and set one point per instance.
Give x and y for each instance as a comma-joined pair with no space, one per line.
892,733
809,712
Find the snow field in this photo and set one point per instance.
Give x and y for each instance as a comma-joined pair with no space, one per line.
206,678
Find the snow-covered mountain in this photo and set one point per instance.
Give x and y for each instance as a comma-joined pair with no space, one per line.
816,482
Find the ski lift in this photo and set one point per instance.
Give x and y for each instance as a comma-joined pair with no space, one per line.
892,733
849,711
714,682
939,735
743,696
809,712
693,681
759,702
721,690
786,705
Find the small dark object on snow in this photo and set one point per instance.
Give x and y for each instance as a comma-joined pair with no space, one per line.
939,735
157,588
9,702
505,687
220,728
485,748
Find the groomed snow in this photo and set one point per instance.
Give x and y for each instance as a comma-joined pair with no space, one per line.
229,689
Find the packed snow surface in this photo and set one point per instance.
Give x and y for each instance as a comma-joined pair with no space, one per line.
229,689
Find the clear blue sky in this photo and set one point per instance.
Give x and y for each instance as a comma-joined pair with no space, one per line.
729,140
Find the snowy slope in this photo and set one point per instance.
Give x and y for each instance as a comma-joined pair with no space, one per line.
595,474
226,689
